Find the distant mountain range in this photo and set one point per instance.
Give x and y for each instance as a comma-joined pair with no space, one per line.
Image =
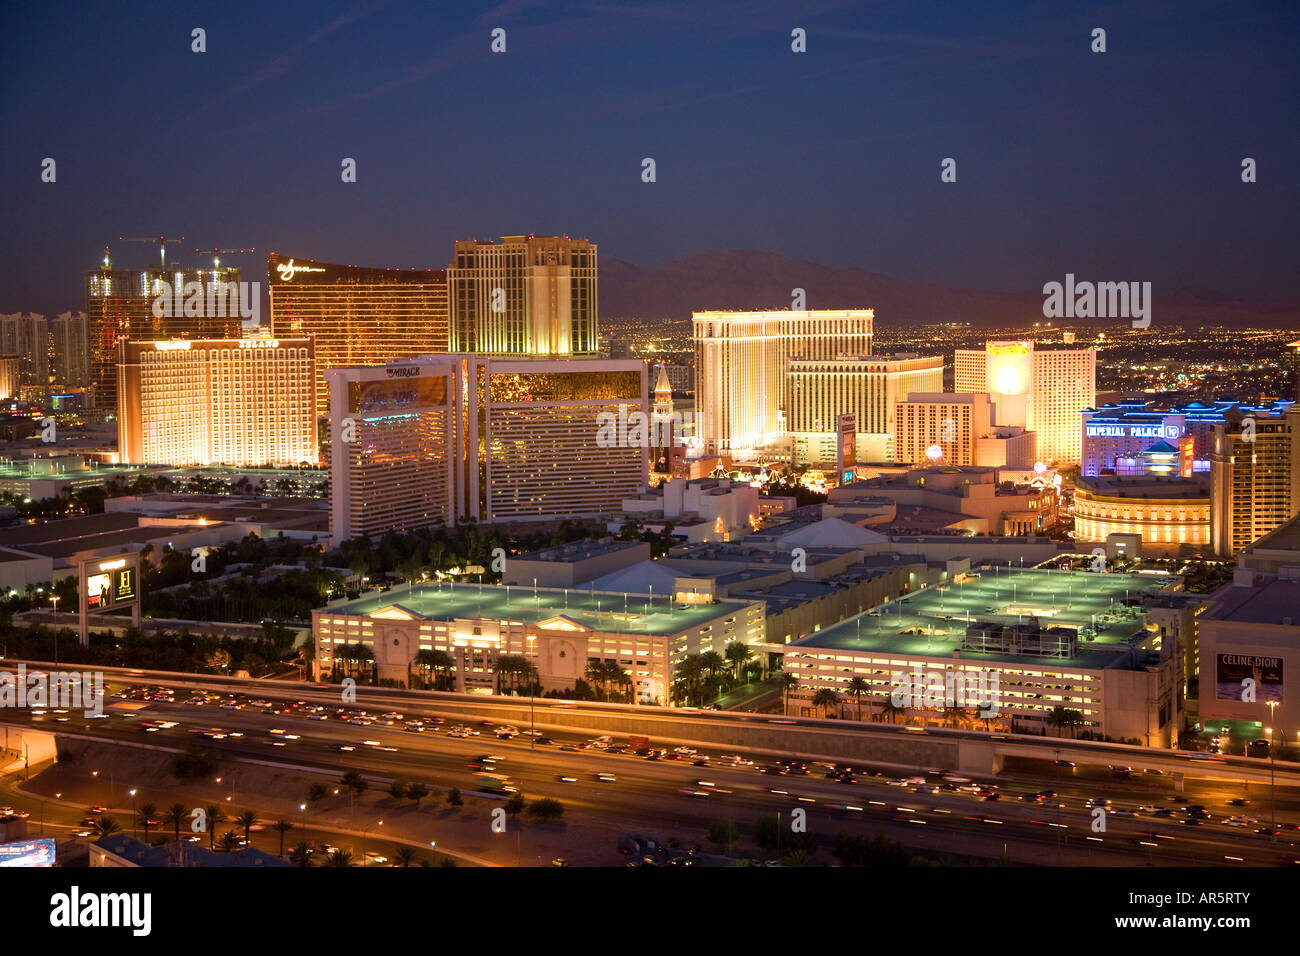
737,280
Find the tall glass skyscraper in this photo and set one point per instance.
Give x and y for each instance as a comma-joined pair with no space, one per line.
357,315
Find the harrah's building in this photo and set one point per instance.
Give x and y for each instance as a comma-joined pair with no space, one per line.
241,402
425,442
1040,390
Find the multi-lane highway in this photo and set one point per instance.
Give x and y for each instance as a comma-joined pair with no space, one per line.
673,795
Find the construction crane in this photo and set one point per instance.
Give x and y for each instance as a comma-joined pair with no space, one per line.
216,262
162,245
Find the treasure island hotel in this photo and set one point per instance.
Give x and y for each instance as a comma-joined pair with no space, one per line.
243,402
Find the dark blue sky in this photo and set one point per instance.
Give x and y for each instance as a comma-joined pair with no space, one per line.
1115,166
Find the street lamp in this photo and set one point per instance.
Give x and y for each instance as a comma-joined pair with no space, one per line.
532,714
1272,789
133,820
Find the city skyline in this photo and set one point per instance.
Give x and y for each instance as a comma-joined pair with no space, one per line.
750,139
649,434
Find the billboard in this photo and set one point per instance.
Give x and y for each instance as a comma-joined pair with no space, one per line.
399,395
1233,670
99,588
38,852
846,447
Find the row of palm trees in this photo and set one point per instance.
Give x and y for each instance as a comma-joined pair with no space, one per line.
699,678
612,682
177,815
829,700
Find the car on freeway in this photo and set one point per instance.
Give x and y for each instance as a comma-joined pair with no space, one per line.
568,779
1065,763
1121,771
545,741
606,778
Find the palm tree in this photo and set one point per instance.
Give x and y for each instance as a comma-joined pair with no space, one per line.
1057,719
340,858
619,678
825,699
597,675
175,815
301,854
739,654
282,827
689,671
713,662
953,714
229,841
246,820
403,856
214,816
146,812
891,710
788,683
857,687
104,826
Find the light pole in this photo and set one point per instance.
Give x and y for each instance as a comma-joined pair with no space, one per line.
532,714
364,833
133,819
1272,788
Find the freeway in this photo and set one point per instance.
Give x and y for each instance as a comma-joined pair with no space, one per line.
674,796
973,751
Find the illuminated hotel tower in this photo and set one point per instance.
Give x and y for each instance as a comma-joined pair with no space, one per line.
870,388
119,305
1042,391
1254,478
240,402
527,295
423,442
740,367
357,316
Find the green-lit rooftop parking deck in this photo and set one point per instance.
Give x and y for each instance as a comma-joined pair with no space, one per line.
932,622
599,610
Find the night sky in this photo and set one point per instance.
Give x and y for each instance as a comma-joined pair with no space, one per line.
1117,166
